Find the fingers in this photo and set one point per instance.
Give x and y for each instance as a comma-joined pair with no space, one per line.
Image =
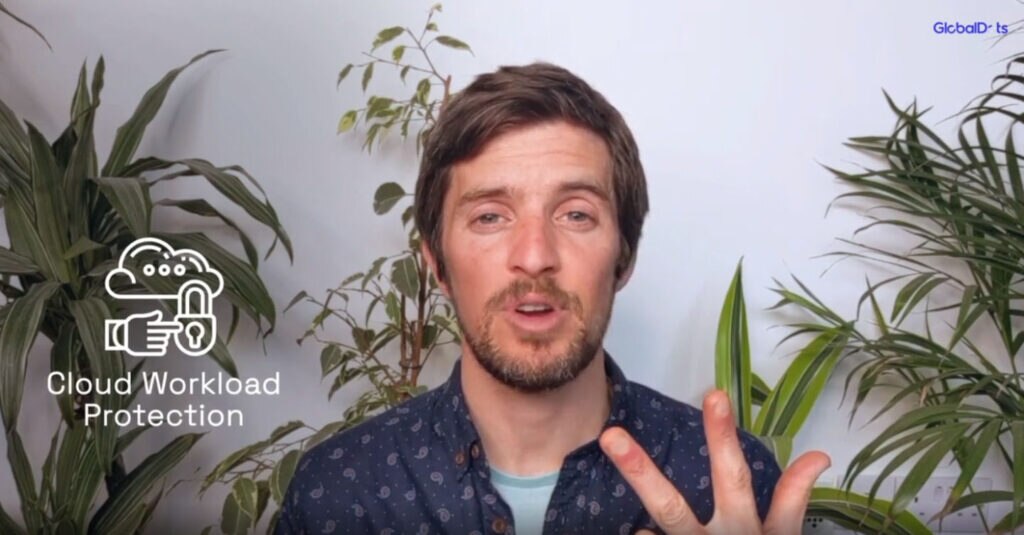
660,497
163,327
789,503
730,474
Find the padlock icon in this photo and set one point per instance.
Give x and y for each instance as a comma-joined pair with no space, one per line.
195,315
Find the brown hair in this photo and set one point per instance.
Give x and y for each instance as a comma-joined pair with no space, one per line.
514,97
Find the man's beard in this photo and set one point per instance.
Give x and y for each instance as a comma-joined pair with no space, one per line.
522,373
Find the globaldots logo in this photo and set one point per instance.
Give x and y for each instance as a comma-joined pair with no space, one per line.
185,279
970,28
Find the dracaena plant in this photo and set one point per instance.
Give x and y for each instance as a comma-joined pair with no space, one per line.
68,217
392,315
775,415
955,393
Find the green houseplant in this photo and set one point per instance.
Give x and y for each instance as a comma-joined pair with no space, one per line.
392,316
784,409
68,218
961,202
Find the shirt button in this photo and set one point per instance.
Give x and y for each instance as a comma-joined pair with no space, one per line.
460,458
475,451
499,525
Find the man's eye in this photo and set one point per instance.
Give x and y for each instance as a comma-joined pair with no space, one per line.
488,218
578,217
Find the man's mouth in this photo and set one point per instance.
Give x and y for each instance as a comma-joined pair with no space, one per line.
534,312
534,308
533,303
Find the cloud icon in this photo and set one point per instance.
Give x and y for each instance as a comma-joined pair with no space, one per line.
157,259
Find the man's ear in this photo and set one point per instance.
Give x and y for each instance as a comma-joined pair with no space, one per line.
428,255
625,274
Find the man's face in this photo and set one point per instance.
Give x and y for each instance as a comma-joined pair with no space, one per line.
530,240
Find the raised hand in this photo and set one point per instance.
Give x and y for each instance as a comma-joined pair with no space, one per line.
735,508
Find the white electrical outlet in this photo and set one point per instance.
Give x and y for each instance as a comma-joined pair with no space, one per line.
932,498
816,525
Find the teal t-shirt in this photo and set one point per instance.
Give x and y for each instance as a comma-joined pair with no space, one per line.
527,496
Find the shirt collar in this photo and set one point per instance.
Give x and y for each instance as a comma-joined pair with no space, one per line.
453,424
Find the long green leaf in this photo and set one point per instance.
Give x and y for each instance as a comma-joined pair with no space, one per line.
130,198
13,140
31,508
781,446
1017,437
82,162
224,180
72,446
202,208
922,470
16,338
82,246
84,480
46,488
972,462
759,390
732,352
855,511
799,387
90,316
129,135
51,214
1009,523
12,263
119,513
62,359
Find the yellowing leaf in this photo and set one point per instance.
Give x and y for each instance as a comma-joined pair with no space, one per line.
347,121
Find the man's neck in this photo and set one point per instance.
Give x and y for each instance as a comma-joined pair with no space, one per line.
531,433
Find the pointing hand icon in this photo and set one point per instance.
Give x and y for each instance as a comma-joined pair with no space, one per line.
140,335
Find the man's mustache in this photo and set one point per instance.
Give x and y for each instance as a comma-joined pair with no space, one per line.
546,287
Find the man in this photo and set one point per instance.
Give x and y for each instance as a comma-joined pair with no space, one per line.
530,203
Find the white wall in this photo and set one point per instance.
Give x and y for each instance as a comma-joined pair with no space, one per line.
734,104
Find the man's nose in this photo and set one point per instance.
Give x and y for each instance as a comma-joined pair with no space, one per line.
534,249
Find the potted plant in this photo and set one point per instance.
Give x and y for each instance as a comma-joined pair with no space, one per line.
784,409
68,217
393,316
961,202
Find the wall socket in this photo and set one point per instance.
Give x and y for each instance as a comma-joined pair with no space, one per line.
932,498
816,525
929,501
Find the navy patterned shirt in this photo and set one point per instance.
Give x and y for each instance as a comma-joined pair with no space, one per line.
420,468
